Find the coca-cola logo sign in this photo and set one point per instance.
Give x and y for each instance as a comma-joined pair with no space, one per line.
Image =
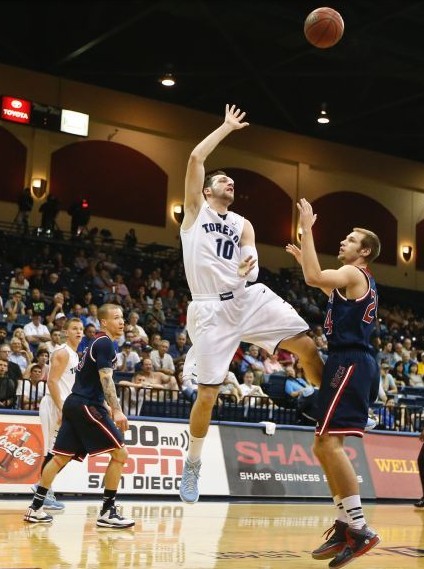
21,452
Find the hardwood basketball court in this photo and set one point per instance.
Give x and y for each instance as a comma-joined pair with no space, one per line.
207,535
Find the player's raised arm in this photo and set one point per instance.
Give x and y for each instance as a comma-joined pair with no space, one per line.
195,173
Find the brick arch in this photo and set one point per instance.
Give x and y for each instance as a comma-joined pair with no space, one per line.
265,204
120,182
13,160
339,212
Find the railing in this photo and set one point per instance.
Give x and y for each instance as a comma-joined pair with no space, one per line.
157,402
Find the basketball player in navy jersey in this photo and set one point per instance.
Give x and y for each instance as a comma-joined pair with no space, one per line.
219,258
350,379
88,426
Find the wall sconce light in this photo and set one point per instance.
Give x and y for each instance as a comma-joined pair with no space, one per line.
178,212
406,252
323,117
38,188
299,234
168,80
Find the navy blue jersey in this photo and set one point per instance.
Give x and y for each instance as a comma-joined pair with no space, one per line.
349,323
99,354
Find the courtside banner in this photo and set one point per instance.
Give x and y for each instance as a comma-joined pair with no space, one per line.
156,453
392,461
282,465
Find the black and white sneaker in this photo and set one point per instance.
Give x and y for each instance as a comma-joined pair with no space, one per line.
37,516
111,519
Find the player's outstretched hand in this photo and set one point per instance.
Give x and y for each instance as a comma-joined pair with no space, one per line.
246,266
306,215
295,251
234,117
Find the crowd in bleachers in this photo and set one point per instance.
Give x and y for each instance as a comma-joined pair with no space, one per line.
45,284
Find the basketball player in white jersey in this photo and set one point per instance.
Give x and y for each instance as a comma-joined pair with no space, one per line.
61,378
219,258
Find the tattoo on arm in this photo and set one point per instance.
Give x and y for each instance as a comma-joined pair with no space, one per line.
106,379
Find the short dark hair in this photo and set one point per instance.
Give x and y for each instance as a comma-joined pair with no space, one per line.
208,179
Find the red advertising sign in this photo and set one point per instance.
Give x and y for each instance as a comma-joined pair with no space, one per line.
392,460
21,452
14,109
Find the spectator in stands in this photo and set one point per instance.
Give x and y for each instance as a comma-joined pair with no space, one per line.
398,352
272,364
387,381
36,332
136,281
89,333
42,358
155,318
157,380
14,371
8,387
57,306
230,386
77,312
32,388
3,334
179,349
127,358
295,385
140,336
420,360
386,354
162,361
103,285
52,286
170,305
59,324
19,355
80,262
36,303
91,316
19,283
133,397
414,378
406,360
54,342
37,279
250,392
120,289
130,239
251,361
401,379
154,280
14,307
19,333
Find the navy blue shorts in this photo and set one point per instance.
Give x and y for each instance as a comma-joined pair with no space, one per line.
350,383
86,429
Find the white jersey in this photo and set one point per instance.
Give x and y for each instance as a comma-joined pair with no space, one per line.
211,250
67,379
48,412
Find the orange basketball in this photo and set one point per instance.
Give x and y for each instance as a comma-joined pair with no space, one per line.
324,27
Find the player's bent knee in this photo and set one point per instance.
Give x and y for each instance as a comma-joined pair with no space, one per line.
120,455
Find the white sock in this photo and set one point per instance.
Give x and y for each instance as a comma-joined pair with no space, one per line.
353,508
341,514
195,446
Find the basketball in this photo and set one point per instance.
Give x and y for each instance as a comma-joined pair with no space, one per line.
323,27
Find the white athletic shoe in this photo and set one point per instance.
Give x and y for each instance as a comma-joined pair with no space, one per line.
37,516
111,519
